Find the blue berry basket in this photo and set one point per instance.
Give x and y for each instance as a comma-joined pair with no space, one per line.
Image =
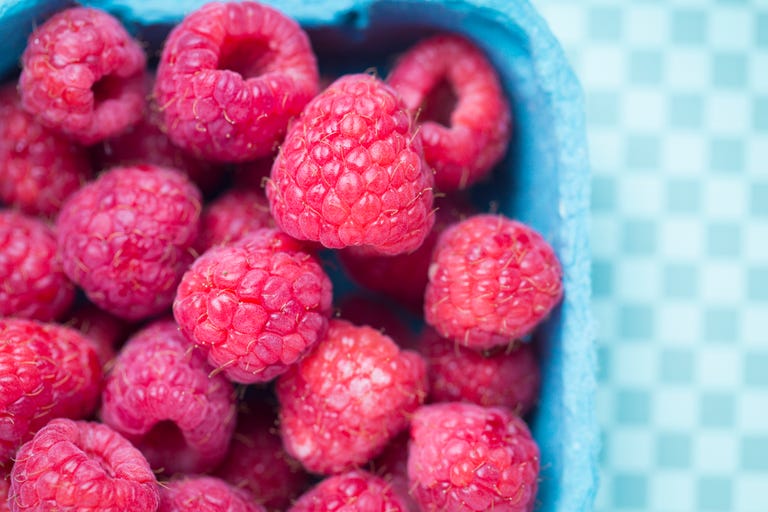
543,181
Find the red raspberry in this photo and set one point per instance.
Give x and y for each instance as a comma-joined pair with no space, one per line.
502,376
342,404
463,147
33,281
105,331
126,237
39,168
80,466
159,395
204,494
354,490
5,489
351,171
392,466
467,457
492,280
46,371
231,76
232,215
258,463
83,75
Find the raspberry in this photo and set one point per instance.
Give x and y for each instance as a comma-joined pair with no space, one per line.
46,371
341,405
231,76
5,489
502,376
463,147
160,397
491,281
354,490
351,171
83,75
105,331
125,238
232,215
204,494
80,466
255,306
392,466
39,168
467,457
33,281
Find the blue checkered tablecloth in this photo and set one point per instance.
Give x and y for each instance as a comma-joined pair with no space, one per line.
677,112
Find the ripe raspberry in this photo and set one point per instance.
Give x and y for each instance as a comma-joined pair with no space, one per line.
83,75
492,280
255,306
232,215
257,462
467,457
502,376
125,238
160,397
392,466
204,494
351,171
5,489
39,168
231,76
462,147
106,332
46,371
32,280
354,490
80,466
342,404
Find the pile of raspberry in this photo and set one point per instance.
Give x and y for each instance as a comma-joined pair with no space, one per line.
172,243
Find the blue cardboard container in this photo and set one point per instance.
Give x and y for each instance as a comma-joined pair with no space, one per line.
543,181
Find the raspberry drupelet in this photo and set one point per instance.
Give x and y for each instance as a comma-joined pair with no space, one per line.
351,171
491,281
231,76
83,75
201,493
159,395
354,490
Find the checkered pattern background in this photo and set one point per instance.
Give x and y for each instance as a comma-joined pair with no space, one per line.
677,110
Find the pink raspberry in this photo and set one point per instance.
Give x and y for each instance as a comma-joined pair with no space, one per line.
231,215
353,490
204,494
125,238
351,171
161,397
33,281
491,281
80,466
231,76
83,75
342,404
106,332
255,306
501,376
39,167
463,144
467,457
392,466
46,371
5,489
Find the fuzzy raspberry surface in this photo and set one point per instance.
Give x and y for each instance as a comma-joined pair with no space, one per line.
465,457
491,281
503,376
80,466
32,279
39,167
204,494
351,171
255,306
231,76
464,143
83,75
125,238
161,397
46,371
353,490
342,404
231,215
